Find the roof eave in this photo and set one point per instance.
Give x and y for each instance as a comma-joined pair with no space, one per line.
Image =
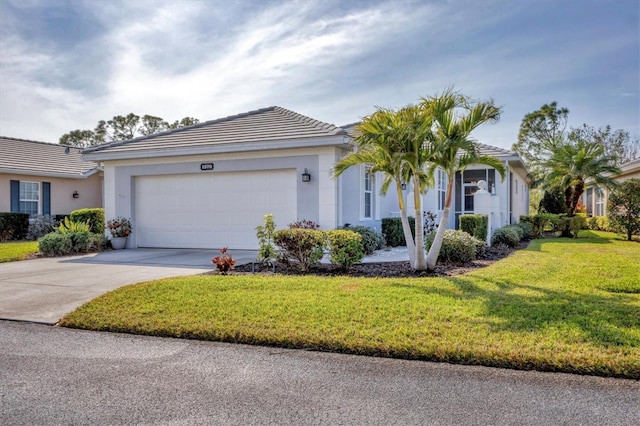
49,174
231,147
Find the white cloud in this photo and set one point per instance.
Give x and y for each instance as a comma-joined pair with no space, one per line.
333,61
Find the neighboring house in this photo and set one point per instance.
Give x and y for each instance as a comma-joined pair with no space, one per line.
595,198
209,185
45,178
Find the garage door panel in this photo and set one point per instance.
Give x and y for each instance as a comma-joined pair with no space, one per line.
211,210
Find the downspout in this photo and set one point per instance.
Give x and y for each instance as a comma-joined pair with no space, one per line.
509,201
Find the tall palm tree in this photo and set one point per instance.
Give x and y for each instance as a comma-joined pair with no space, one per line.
380,145
572,162
452,149
393,142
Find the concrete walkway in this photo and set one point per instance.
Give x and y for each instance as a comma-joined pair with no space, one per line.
44,290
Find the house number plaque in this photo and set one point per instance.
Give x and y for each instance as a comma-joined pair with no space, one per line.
206,166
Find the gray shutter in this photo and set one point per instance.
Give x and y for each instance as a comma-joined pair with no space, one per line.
15,196
46,198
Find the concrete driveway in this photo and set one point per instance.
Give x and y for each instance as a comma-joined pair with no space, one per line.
44,290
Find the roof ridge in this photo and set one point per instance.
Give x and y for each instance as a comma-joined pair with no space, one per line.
34,141
180,129
506,151
315,123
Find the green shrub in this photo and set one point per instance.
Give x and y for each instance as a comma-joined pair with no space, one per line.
69,226
345,247
63,244
55,244
304,246
14,226
624,208
575,224
543,222
371,240
527,230
475,225
599,223
393,233
509,235
265,232
457,246
93,217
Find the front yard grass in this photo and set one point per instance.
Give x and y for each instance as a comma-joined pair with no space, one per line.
559,305
18,250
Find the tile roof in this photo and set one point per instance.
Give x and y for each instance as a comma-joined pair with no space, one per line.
484,148
21,156
262,125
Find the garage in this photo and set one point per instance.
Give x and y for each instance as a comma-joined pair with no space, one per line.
211,210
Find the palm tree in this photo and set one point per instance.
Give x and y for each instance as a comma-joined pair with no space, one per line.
393,142
452,149
571,163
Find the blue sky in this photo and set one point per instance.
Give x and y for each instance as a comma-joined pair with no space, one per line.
65,65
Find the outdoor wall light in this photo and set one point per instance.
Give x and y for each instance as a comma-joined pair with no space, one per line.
306,177
75,194
403,186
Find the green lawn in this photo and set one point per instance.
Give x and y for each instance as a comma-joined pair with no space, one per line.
12,251
560,305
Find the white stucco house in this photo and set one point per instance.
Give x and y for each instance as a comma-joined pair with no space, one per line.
209,185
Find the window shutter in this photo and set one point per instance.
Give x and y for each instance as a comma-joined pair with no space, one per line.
46,197
15,196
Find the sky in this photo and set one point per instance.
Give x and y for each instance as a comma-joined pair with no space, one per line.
66,64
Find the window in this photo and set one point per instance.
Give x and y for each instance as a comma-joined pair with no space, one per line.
30,197
368,193
589,201
442,188
599,202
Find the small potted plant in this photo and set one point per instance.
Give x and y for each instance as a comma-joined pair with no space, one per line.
120,228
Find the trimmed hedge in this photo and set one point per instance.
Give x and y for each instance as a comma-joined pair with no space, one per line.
371,240
345,247
527,230
14,226
475,225
509,235
303,246
457,246
392,230
94,217
59,244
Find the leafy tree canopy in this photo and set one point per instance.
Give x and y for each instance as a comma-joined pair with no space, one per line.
543,130
122,128
624,207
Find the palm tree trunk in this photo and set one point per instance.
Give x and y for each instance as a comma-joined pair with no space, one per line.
420,262
406,229
434,250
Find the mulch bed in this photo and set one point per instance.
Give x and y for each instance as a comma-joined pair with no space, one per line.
386,269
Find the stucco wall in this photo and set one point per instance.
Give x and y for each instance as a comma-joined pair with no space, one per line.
62,201
317,200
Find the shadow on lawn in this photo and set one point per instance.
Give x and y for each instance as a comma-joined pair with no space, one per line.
605,320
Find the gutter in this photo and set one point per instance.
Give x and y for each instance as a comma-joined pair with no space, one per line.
227,148
53,175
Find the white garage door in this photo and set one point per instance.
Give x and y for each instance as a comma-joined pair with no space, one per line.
211,210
